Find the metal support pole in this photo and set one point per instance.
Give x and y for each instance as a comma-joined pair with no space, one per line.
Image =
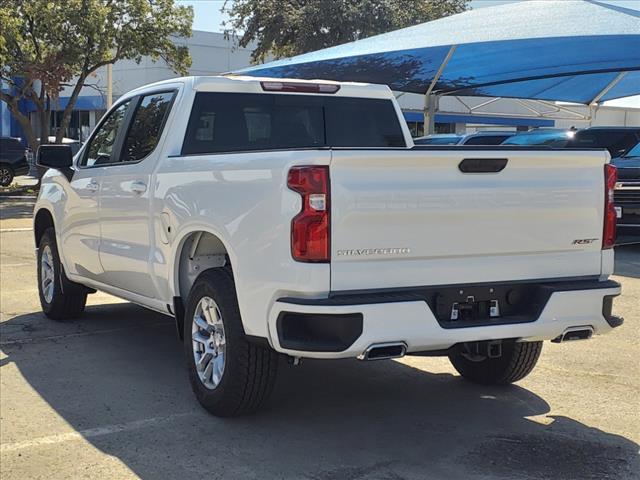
430,103
606,89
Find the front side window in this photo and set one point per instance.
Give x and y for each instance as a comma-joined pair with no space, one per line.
100,148
146,126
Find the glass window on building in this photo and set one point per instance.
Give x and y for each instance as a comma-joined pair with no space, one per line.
84,125
79,124
416,129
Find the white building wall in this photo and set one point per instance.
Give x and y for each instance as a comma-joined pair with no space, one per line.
211,54
605,116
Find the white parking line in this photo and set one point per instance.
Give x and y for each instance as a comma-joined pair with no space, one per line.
20,229
90,433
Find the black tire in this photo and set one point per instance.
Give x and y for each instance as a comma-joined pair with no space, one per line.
517,361
249,369
6,175
65,303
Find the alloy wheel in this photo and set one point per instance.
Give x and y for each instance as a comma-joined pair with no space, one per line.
209,342
47,273
5,176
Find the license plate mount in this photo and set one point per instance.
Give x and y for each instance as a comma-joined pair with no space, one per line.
618,212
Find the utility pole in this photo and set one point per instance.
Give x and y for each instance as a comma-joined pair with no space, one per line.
109,85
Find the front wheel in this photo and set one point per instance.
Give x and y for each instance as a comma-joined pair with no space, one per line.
56,303
229,375
516,362
6,175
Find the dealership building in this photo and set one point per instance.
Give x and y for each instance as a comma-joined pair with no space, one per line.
213,54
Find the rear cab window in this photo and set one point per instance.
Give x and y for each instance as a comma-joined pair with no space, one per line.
227,122
616,141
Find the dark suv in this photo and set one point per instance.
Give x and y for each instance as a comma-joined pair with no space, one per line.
618,140
627,192
13,160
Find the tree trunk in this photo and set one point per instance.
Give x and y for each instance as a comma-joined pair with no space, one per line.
66,115
27,128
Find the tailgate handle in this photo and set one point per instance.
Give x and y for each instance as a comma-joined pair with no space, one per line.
482,165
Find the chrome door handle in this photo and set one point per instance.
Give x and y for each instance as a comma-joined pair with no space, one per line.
138,187
93,186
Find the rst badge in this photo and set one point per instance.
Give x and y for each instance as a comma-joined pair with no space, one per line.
583,241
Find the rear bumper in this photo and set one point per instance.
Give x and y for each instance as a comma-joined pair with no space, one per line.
358,321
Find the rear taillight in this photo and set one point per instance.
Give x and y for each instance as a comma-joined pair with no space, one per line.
609,231
310,228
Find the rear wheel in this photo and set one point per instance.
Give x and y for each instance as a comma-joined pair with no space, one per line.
516,362
6,175
56,303
229,375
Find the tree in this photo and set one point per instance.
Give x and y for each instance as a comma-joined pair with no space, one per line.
47,45
283,28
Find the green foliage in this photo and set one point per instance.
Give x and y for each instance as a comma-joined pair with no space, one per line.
283,28
46,45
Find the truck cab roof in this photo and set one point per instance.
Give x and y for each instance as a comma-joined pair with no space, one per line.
245,84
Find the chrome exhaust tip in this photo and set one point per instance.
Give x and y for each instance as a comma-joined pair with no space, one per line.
384,351
574,333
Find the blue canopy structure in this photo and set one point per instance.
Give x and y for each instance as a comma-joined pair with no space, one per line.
581,51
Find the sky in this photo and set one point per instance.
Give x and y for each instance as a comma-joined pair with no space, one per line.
208,17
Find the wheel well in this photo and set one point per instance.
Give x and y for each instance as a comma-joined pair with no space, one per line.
43,221
200,251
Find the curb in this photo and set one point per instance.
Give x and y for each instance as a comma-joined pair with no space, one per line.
19,192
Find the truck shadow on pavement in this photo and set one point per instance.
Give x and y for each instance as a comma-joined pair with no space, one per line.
627,260
117,377
12,209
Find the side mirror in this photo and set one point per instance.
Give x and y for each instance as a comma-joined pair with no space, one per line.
59,157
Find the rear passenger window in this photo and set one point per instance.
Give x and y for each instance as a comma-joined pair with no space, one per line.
146,126
227,122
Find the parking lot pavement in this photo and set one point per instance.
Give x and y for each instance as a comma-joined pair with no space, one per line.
107,396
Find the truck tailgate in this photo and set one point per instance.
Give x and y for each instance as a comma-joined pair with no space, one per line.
412,217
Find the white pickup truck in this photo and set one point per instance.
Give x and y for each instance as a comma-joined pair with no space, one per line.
297,217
